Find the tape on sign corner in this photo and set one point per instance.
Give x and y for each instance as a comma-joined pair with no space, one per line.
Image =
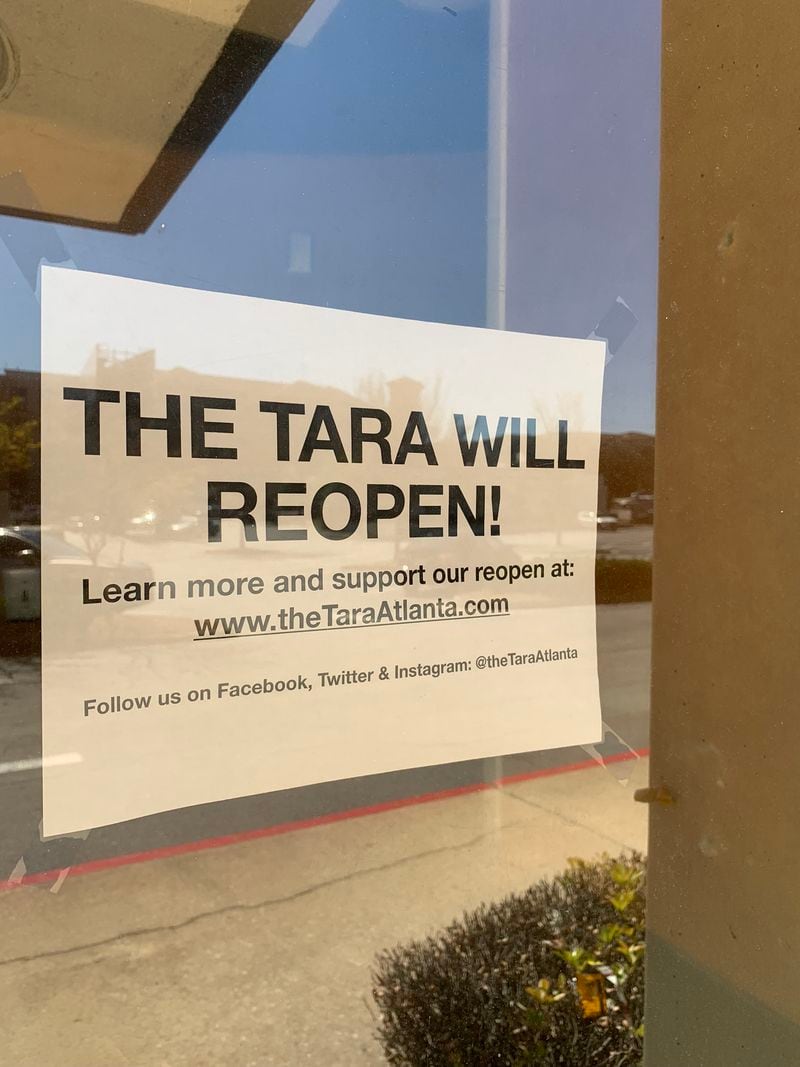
615,327
616,756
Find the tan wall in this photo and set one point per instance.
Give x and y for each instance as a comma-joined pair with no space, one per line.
724,919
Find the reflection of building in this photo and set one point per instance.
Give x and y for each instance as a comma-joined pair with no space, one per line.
626,460
131,369
405,393
174,499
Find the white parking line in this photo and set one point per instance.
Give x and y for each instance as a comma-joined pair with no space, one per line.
62,760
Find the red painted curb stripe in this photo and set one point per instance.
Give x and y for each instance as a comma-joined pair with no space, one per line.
205,844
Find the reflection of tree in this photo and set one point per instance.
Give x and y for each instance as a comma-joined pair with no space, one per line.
93,536
118,498
627,461
372,390
19,437
103,521
569,406
19,441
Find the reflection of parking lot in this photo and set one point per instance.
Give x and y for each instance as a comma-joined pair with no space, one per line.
626,542
623,646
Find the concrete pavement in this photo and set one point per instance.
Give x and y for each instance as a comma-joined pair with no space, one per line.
259,953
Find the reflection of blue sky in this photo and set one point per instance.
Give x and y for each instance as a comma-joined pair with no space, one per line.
584,113
370,142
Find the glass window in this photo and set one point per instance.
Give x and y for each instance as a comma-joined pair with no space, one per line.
484,163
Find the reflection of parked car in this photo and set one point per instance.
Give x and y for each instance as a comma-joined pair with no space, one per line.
602,522
82,522
152,524
21,549
641,507
638,507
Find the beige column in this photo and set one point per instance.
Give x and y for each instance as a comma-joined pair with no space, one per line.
724,912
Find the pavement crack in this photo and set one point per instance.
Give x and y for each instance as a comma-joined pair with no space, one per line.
228,909
564,818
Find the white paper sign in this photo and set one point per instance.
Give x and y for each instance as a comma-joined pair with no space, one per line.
311,545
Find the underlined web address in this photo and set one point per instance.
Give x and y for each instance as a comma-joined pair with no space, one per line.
338,617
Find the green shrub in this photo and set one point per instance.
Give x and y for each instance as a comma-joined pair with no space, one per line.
500,986
623,581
